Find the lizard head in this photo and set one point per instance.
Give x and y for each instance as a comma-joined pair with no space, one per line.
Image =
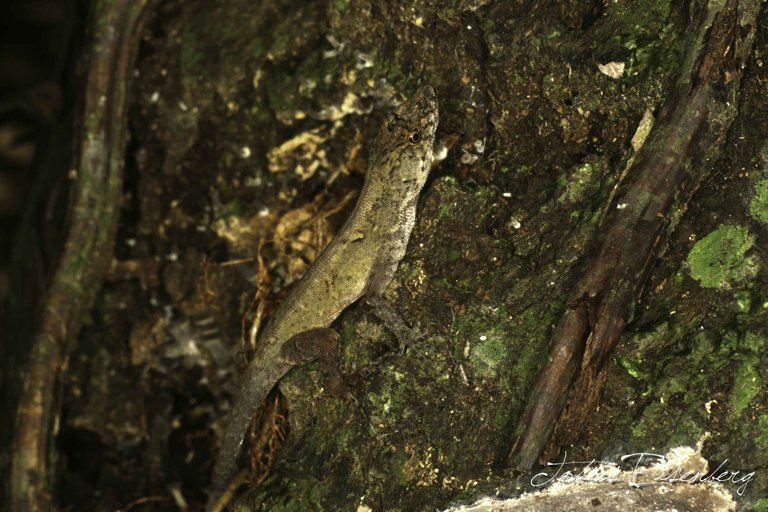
403,149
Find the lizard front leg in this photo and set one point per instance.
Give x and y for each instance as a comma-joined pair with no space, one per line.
383,271
386,313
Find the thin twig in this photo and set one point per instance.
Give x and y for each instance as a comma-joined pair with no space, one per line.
85,258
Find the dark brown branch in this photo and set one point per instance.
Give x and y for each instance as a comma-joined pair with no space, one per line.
114,31
668,169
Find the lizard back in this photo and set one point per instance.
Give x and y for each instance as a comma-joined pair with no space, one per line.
371,243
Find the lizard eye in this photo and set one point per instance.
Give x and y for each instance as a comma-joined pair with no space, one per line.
414,137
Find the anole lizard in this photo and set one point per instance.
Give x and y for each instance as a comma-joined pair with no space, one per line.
360,261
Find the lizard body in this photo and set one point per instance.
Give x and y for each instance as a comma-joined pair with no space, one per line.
360,261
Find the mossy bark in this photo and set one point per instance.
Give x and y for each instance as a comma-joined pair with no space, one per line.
537,136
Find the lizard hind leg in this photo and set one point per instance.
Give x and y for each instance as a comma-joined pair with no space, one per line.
310,344
258,381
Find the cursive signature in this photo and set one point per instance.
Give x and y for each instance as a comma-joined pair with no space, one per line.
638,475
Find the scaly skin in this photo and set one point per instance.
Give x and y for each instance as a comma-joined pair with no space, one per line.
360,261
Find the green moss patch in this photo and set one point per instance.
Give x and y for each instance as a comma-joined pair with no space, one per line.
720,259
746,386
758,207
